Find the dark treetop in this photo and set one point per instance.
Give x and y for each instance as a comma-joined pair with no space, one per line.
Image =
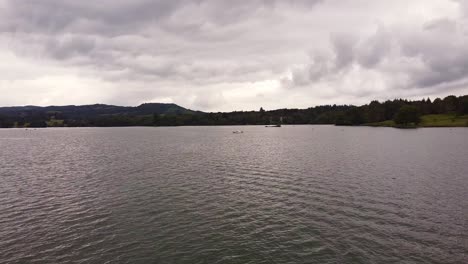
399,112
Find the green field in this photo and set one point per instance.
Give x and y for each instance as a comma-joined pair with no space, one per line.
442,120
55,123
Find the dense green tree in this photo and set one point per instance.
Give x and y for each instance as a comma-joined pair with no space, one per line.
151,115
464,105
438,106
375,112
5,122
450,104
155,119
342,120
355,116
406,115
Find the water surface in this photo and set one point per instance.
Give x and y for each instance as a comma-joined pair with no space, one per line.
296,194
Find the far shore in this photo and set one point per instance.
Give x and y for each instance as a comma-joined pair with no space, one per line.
440,120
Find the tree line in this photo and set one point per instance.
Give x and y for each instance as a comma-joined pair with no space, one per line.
400,110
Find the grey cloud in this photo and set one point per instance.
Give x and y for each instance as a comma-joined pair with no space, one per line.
442,25
372,50
437,50
185,49
443,70
105,17
112,35
325,63
209,99
441,47
343,46
111,17
463,6
69,46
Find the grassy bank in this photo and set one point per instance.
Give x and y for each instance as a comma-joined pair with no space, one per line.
442,120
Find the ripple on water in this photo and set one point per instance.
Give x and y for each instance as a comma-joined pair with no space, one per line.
200,195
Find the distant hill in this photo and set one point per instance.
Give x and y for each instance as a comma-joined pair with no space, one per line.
96,110
450,111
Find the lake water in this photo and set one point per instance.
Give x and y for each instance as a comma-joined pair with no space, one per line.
296,194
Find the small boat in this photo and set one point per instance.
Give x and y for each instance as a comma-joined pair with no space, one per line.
238,132
277,124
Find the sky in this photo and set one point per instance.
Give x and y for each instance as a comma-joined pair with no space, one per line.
225,55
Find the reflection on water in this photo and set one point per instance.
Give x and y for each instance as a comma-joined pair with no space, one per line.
297,194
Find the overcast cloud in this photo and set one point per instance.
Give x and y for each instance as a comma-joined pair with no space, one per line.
222,55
